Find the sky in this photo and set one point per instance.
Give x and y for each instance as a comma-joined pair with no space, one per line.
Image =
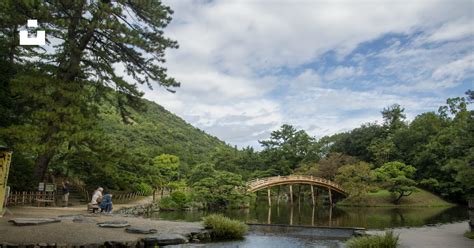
247,67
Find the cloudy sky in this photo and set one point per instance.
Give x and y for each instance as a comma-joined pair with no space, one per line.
249,66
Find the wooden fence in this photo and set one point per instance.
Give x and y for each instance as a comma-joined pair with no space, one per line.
125,197
24,198
17,198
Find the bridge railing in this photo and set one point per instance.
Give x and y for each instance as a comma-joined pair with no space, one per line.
268,180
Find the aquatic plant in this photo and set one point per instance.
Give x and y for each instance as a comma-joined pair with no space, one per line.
469,235
224,228
387,240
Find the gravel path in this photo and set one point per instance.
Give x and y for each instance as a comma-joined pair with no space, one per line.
442,236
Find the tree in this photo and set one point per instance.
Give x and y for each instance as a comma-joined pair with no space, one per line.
200,172
382,150
219,189
167,166
287,143
355,142
396,177
90,39
327,167
355,178
393,117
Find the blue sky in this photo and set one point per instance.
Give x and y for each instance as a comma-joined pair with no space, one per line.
247,67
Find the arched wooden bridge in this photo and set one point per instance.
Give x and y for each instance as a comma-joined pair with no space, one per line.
268,182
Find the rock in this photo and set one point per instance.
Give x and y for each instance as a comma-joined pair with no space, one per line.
203,235
9,245
114,224
360,233
140,230
165,239
33,221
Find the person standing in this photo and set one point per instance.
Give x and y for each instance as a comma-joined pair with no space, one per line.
66,191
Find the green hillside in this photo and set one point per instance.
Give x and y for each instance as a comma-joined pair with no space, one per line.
117,151
383,198
155,130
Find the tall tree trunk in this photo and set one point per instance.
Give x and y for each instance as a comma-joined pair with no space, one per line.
41,165
69,70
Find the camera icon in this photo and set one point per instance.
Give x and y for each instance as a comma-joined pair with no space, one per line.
39,40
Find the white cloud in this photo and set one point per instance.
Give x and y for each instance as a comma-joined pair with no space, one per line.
236,58
342,72
457,29
455,70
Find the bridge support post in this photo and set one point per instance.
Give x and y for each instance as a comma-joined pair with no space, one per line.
312,195
269,194
291,194
330,197
278,196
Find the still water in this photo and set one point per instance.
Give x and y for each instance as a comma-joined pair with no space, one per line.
370,218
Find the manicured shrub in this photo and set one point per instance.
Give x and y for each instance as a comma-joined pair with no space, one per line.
224,228
387,240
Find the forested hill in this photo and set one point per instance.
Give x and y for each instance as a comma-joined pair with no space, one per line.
154,130
118,149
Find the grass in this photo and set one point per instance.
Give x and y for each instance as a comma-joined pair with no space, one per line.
469,234
383,198
387,240
224,228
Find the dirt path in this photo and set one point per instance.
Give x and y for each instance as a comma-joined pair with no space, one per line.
85,231
442,236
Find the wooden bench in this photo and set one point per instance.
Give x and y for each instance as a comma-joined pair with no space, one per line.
92,207
40,201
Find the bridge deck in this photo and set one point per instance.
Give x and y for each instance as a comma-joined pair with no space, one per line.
261,183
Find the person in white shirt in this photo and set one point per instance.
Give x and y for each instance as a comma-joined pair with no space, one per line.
97,196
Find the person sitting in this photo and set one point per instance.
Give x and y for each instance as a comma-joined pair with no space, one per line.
106,204
97,196
96,199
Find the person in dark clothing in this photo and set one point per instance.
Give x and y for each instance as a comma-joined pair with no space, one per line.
106,203
66,192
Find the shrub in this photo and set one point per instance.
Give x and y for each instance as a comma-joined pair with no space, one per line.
469,235
180,198
223,228
167,203
388,240
143,187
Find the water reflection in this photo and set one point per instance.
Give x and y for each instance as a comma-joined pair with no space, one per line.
300,214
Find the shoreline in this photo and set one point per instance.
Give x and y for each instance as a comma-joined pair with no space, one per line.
86,233
78,228
435,236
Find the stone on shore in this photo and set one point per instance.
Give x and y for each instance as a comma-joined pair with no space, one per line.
140,230
165,239
33,221
114,224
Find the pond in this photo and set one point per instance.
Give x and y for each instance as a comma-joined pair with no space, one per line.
306,215
366,217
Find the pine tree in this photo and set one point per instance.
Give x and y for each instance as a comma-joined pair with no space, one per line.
86,42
